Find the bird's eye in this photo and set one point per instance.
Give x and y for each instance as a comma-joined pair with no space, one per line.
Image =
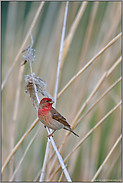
47,100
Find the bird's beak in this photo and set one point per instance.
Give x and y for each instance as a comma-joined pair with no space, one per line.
51,102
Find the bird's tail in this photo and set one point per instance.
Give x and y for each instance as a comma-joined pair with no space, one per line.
69,129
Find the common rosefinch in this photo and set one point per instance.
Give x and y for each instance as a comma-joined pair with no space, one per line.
51,118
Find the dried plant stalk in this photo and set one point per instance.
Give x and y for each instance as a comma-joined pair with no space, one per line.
86,136
106,159
18,145
89,63
21,160
40,86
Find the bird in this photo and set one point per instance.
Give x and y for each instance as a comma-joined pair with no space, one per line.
51,118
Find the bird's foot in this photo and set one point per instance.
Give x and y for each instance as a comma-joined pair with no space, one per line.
51,134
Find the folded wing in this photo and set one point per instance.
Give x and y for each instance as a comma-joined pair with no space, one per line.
58,117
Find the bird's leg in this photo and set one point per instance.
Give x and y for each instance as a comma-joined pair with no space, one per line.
51,134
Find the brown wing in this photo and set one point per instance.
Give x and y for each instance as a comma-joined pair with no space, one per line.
58,117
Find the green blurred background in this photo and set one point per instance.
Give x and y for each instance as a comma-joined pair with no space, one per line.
100,23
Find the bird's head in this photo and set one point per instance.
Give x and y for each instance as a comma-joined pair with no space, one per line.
46,103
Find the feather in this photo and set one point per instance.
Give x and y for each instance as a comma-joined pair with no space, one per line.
58,117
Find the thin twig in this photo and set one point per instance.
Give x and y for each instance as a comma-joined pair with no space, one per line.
104,94
21,160
106,159
18,144
45,161
13,130
89,63
60,159
73,28
105,75
60,178
60,52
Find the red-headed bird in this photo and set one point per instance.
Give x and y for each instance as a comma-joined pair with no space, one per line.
51,118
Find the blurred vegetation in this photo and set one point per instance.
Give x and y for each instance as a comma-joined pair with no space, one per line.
100,23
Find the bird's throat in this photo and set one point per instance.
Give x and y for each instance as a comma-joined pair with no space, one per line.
43,111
